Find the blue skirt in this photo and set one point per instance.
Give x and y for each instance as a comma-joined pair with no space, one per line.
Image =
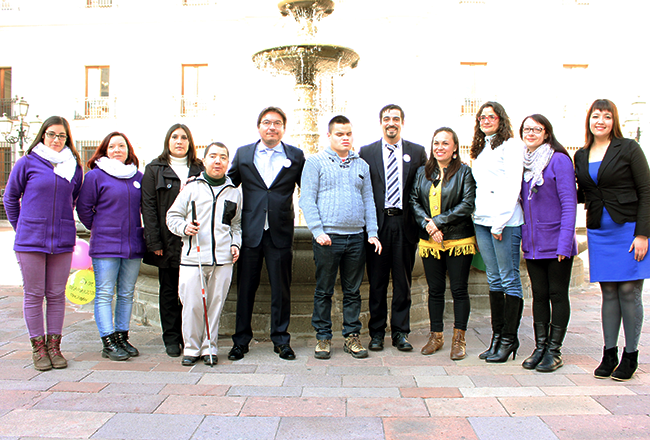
609,256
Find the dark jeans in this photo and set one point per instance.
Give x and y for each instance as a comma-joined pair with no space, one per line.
170,306
435,271
550,281
346,253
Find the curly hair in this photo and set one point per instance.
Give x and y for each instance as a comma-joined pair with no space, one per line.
504,132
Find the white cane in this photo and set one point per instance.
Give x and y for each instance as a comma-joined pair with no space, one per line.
205,304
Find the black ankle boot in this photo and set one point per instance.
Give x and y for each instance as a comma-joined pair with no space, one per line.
541,337
123,341
607,365
112,349
496,315
509,343
627,367
552,359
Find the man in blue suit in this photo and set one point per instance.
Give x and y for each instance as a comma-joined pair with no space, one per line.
393,163
268,171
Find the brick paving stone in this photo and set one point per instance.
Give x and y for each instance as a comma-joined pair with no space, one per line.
498,428
294,407
128,365
37,423
150,427
133,388
626,405
63,375
288,368
638,389
11,399
494,381
264,391
141,377
543,379
414,358
417,371
79,387
100,402
552,405
350,392
310,380
377,381
429,392
358,371
237,428
223,367
41,385
501,391
386,407
19,373
590,380
196,390
171,367
467,407
586,391
599,427
340,358
207,405
330,428
444,381
419,428
270,380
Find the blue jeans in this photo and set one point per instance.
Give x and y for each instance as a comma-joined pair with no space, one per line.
501,259
109,274
346,253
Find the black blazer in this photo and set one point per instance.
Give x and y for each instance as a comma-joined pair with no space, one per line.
457,203
258,198
623,185
372,154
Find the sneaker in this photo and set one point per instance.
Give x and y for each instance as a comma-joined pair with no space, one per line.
323,349
353,346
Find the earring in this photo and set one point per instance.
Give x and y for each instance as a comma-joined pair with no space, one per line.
454,156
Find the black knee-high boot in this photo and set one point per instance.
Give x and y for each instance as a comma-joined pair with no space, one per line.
552,359
541,338
509,344
497,301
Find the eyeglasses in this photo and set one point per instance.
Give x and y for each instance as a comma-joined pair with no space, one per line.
490,118
277,124
52,135
536,130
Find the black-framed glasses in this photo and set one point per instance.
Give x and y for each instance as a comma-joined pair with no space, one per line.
52,135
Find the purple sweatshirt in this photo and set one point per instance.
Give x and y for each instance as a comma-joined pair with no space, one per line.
39,206
550,215
110,208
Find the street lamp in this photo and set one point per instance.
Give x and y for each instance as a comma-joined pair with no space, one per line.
21,129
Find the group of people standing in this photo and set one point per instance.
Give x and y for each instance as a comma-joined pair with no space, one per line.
369,211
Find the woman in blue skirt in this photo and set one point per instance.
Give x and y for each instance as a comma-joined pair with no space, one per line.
614,183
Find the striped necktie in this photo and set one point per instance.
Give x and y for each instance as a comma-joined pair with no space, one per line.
392,179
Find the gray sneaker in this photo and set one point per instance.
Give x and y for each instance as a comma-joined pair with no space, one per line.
323,349
353,346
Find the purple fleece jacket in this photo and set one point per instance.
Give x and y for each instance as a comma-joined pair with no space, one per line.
110,208
550,215
39,206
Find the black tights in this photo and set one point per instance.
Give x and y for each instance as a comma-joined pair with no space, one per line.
550,281
622,301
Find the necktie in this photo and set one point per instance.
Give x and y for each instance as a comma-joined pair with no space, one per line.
392,179
269,176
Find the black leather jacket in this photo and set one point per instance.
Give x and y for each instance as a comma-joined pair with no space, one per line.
457,200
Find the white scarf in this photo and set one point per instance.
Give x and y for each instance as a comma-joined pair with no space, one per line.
115,168
65,164
534,165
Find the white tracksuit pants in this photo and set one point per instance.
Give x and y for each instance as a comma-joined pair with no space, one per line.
217,283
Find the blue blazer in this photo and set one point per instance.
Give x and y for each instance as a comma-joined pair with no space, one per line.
258,199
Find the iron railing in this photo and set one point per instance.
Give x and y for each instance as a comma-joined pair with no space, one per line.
194,106
86,150
96,108
99,3
7,106
5,170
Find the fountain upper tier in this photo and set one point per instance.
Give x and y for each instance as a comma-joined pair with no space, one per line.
306,61
309,9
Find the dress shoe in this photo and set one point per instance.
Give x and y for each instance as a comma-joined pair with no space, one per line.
173,350
237,352
285,352
401,342
207,361
188,361
376,343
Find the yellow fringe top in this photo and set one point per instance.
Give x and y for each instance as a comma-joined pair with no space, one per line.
429,248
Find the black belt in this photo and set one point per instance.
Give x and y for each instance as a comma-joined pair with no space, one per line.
391,212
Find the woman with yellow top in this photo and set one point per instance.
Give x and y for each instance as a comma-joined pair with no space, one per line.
442,201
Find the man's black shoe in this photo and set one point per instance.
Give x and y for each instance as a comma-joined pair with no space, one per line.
188,361
237,352
173,350
401,342
285,352
376,343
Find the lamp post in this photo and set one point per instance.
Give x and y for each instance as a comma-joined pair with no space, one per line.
21,129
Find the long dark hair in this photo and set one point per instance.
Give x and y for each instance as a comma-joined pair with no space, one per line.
504,132
55,120
432,163
191,150
548,129
102,151
607,106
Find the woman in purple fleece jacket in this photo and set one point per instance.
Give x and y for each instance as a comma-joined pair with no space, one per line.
39,200
109,205
549,200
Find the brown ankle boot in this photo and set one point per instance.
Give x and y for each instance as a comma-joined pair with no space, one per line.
435,343
39,354
458,345
54,351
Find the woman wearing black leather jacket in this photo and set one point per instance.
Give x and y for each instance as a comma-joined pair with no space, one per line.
442,201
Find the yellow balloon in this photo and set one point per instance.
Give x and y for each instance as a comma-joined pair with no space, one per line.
81,287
